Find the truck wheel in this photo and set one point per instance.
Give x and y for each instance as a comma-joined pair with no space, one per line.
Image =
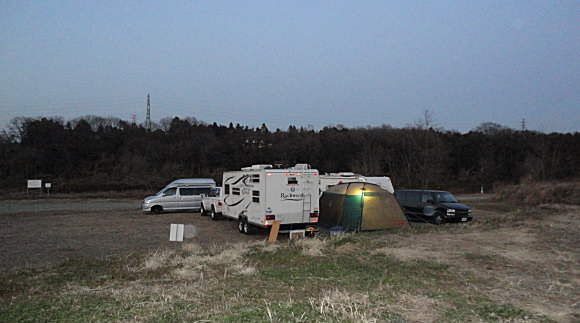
214,215
157,209
438,219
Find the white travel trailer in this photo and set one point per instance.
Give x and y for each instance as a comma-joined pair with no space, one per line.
258,195
180,195
348,177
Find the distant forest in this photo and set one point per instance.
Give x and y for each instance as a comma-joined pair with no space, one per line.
104,154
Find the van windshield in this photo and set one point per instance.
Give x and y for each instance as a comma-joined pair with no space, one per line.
445,197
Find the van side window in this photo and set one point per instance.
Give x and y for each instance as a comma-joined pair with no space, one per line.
170,191
292,180
186,191
227,189
256,196
255,178
201,190
236,190
426,196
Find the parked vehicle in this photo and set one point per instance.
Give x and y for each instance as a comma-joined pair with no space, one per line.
180,195
211,204
258,195
434,206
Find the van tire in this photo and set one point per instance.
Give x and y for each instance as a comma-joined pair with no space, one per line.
157,209
203,211
214,215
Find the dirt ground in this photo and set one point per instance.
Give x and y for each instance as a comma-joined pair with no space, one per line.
529,257
41,232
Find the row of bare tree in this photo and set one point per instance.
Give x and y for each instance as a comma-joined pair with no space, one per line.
93,153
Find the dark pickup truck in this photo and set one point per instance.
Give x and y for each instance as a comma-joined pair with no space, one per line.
434,206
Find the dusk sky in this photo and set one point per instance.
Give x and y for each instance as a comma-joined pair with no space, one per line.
282,63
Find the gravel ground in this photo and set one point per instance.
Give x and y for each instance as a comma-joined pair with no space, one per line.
43,232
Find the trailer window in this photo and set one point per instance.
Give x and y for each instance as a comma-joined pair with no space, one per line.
256,196
227,189
292,180
255,178
236,190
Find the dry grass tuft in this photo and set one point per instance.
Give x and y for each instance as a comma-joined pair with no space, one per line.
312,247
158,259
341,304
417,308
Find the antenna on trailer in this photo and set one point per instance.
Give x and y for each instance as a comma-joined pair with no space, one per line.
148,119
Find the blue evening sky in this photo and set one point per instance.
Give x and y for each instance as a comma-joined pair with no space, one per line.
318,63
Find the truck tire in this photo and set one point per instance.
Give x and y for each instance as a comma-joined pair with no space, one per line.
157,209
214,215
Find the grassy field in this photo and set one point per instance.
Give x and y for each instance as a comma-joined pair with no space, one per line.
511,264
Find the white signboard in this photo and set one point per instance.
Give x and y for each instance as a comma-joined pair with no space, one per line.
176,232
34,183
47,185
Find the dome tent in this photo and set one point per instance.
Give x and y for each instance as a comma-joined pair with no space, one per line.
360,206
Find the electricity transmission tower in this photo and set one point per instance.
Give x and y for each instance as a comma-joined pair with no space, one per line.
148,119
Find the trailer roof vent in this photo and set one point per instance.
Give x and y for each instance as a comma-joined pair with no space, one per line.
258,167
301,166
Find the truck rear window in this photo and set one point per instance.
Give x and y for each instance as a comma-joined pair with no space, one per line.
292,180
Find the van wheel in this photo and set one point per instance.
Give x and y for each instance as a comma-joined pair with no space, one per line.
157,209
214,215
241,224
203,211
438,219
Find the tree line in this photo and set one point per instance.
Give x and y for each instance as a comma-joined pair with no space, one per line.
99,154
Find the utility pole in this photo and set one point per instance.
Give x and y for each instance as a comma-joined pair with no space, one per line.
148,119
524,124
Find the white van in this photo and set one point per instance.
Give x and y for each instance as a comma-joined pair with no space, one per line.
180,195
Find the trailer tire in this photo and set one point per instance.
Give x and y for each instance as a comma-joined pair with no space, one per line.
214,215
157,209
241,224
248,228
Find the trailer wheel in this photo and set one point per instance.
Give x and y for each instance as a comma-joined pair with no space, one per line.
248,228
241,224
214,215
310,234
157,209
